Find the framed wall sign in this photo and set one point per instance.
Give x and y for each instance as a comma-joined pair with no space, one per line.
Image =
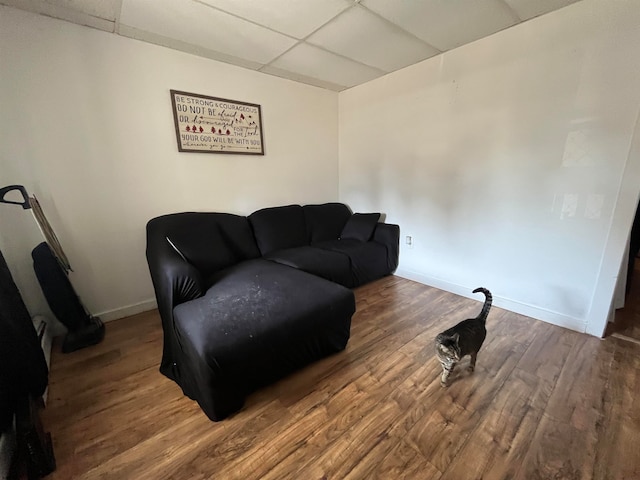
216,125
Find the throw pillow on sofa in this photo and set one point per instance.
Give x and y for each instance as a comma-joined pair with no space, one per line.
360,226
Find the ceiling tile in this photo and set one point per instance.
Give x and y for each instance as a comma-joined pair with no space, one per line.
314,62
161,40
527,9
106,9
297,77
92,13
198,24
297,18
365,37
446,24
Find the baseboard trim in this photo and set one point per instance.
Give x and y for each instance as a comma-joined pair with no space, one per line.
549,316
127,311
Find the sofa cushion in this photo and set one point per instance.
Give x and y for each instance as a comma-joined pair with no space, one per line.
279,227
334,266
326,221
368,259
360,226
208,241
258,321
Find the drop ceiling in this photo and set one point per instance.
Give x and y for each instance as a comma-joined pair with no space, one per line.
333,44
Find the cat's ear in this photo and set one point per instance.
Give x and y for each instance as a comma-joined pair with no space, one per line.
455,337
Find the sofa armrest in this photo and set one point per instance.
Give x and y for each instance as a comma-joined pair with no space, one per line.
175,281
183,282
389,235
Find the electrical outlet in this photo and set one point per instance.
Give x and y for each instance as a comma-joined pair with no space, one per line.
408,241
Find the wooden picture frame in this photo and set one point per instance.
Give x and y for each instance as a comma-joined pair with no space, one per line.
216,125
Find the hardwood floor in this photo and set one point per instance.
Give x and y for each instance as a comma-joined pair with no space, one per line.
543,403
627,319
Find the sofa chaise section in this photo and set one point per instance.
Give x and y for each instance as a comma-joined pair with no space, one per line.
258,322
183,251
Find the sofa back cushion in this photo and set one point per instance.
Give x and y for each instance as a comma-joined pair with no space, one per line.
279,227
208,241
360,226
325,222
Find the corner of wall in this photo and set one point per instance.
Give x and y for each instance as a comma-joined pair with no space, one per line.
617,239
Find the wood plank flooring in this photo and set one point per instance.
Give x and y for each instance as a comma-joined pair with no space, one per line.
627,319
543,403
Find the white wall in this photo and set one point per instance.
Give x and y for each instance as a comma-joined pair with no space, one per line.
87,126
504,159
480,154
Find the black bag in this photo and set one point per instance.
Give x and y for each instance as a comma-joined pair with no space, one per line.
83,329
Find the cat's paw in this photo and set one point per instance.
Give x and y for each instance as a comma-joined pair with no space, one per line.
443,383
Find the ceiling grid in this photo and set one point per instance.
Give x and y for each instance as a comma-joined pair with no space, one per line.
333,44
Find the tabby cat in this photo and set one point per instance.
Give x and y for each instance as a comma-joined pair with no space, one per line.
465,338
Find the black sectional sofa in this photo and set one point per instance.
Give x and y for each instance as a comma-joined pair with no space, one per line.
247,300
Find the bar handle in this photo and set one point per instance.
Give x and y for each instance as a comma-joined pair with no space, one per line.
10,188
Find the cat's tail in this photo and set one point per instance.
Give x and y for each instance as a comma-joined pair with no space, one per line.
487,303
